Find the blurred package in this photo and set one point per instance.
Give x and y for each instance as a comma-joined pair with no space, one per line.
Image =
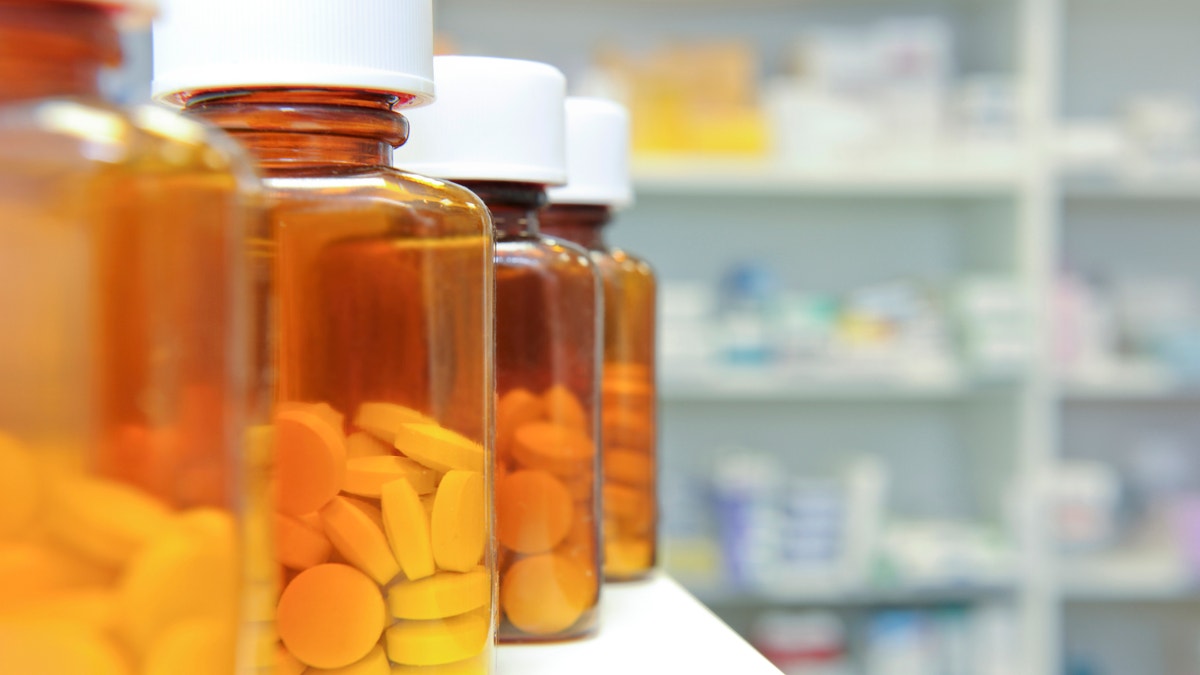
1160,318
747,314
985,107
690,550
802,643
807,535
916,64
894,319
1164,130
852,92
1085,497
690,98
685,324
807,325
995,325
745,489
750,324
1085,331
940,553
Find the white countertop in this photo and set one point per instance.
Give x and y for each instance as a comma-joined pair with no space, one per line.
646,627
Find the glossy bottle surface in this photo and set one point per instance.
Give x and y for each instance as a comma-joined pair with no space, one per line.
381,295
629,422
547,516
123,356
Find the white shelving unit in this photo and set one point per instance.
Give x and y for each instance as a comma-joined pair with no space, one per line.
1014,212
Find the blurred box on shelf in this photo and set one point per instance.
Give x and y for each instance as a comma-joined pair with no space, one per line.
1132,332
752,330
830,537
690,97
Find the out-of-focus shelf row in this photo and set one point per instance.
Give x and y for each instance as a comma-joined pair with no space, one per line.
1080,583
754,384
997,173
922,176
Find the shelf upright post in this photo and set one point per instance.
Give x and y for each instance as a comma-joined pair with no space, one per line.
1039,48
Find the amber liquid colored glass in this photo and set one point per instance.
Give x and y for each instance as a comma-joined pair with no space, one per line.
123,352
547,301
628,428
382,300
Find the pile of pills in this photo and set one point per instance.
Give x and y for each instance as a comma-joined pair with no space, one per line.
629,476
99,577
545,505
382,535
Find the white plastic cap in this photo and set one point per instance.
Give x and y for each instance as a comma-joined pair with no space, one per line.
597,155
495,119
373,45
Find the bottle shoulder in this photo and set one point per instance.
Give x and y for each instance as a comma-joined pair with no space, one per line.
619,262
380,190
74,136
547,253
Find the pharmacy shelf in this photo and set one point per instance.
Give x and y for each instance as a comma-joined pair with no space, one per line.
1132,382
926,176
1184,186
818,382
1135,576
866,598
646,628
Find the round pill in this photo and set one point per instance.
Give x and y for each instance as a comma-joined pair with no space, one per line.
438,448
556,448
533,511
626,556
330,616
563,407
458,526
298,545
624,501
357,537
515,409
545,594
628,429
406,522
628,467
442,595
310,462
429,643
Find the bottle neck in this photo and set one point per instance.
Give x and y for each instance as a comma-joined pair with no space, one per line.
287,129
514,206
578,223
53,49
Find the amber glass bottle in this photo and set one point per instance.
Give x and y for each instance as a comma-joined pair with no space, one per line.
123,360
547,356
597,155
382,298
